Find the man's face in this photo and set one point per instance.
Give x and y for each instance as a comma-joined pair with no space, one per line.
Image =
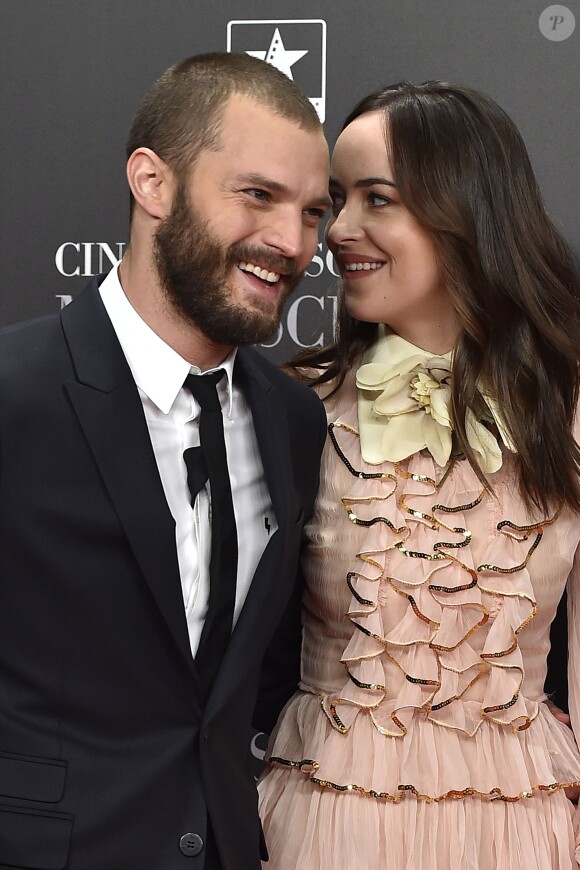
244,225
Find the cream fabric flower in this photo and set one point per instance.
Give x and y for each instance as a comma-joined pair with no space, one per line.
412,409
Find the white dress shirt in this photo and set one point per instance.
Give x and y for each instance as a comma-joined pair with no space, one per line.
172,416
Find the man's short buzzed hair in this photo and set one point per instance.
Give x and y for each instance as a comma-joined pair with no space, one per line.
181,115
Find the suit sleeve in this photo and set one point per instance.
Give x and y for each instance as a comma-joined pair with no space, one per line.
280,672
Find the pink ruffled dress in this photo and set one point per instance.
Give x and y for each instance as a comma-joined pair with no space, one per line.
419,739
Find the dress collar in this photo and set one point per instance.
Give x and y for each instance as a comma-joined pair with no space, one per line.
404,406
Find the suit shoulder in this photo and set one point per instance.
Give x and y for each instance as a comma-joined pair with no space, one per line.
292,389
18,334
30,344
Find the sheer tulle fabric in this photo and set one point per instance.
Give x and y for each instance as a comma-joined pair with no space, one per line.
311,829
419,738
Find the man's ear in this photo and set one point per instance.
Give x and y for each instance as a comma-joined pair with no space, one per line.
152,182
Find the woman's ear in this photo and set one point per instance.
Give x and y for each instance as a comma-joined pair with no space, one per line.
151,181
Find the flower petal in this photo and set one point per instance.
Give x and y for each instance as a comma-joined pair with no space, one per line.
437,440
494,408
396,398
438,368
483,444
373,376
440,403
403,436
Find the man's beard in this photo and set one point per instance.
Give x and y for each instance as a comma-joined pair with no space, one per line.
195,272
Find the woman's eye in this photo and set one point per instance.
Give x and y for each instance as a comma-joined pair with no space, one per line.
376,200
337,202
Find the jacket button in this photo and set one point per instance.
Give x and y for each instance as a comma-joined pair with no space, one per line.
190,845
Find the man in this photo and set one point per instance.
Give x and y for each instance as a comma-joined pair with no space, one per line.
128,665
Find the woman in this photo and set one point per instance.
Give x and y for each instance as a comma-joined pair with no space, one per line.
448,515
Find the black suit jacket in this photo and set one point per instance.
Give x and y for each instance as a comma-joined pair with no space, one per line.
107,753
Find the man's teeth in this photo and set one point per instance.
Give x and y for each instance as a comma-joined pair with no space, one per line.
271,277
359,267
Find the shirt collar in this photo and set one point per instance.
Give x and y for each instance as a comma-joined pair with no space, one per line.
158,370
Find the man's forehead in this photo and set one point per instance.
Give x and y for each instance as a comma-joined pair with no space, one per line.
257,146
242,111
252,134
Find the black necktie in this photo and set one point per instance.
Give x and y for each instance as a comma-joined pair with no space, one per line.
209,461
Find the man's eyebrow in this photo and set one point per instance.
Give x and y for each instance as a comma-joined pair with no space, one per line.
261,181
255,178
323,201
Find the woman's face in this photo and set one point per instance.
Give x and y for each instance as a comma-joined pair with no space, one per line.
387,260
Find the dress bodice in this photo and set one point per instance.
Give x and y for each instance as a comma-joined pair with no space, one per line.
419,736
450,629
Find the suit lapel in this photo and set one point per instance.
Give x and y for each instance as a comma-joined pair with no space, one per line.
109,410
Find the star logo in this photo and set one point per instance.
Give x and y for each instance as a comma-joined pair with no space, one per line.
296,47
279,56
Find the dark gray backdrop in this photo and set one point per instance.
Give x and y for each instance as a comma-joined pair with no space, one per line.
74,73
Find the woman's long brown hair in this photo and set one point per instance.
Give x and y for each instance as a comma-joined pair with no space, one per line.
463,171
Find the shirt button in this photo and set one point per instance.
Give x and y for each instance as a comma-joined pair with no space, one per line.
190,845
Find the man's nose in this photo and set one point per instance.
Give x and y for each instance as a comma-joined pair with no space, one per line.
285,234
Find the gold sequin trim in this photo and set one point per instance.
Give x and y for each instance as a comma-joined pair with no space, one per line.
376,687
308,766
477,626
442,553
460,508
505,706
360,522
331,713
499,655
358,597
375,475
418,478
421,681
529,528
370,633
500,570
414,554
450,589
399,724
482,669
417,612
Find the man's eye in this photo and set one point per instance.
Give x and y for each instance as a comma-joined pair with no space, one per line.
257,193
317,213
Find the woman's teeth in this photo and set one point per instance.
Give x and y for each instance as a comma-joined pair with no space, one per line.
359,267
271,277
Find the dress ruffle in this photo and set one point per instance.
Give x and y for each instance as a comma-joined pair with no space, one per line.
431,764
418,541
432,712
308,825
